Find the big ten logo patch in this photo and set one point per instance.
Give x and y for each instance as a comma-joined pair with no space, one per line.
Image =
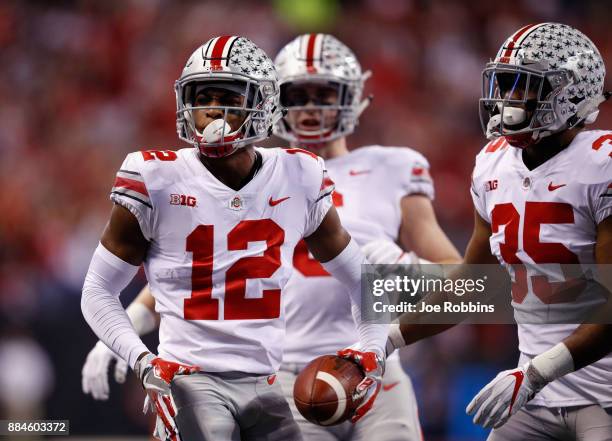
491,185
183,199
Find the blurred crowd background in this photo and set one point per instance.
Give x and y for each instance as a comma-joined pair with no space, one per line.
82,83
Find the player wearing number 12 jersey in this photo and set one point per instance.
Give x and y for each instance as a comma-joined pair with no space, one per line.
215,227
380,193
542,191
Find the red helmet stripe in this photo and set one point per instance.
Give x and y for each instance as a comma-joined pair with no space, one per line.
514,40
206,50
217,51
310,53
228,48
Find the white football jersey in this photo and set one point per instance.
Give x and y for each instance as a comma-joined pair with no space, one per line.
542,218
219,258
369,184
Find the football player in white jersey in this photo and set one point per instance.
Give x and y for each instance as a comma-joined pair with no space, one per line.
381,193
215,227
371,204
542,191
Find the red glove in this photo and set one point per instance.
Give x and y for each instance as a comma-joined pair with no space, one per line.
156,375
367,390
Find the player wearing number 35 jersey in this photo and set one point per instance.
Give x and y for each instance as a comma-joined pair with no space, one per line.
215,227
542,191
553,210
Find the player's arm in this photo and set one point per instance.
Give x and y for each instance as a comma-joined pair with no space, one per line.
420,236
146,299
331,245
478,252
141,313
589,342
115,262
329,239
421,233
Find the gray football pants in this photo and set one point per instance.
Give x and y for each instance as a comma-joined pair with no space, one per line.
394,416
232,406
538,423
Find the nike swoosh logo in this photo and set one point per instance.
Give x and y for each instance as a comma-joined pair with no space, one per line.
359,172
518,380
388,387
552,187
273,202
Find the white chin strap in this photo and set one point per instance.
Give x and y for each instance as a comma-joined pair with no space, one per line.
363,105
366,102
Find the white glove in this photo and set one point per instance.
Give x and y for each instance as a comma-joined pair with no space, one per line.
386,252
95,371
156,375
505,395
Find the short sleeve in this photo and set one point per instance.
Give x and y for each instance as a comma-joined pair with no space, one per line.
413,172
320,204
130,191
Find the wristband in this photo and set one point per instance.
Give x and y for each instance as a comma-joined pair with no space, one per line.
554,363
395,340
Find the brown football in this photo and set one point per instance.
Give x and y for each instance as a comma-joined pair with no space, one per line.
323,391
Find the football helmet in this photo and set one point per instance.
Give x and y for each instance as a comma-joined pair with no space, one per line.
545,78
236,65
322,60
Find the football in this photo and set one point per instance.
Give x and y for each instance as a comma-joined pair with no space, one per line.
323,391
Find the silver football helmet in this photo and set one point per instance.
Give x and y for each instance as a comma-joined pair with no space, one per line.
545,78
234,64
322,60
